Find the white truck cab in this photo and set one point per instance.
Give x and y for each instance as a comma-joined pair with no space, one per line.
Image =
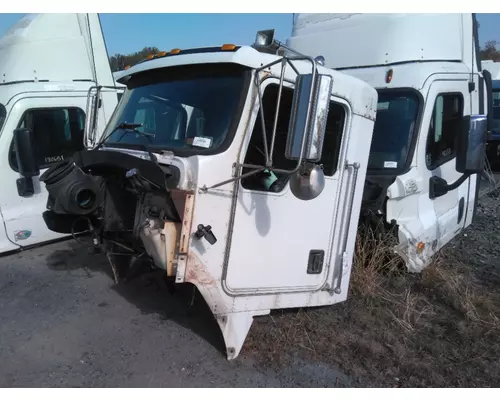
48,63
238,171
426,71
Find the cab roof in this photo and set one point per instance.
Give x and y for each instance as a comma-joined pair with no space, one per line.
371,40
344,86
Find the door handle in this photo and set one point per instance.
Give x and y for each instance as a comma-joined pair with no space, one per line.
355,167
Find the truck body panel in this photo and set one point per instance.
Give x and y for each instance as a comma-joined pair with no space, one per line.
414,74
48,63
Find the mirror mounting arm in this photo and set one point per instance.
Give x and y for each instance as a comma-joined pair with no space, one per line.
439,187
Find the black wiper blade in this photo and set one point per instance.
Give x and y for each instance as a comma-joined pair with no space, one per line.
133,128
127,127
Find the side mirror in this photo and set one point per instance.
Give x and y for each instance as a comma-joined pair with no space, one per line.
308,182
91,112
306,132
24,144
488,83
471,148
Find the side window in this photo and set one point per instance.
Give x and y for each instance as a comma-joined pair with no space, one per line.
443,130
58,134
269,181
496,104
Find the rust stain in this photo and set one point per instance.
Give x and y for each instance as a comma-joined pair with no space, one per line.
186,223
197,272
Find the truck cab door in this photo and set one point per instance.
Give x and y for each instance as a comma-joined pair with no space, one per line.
57,124
447,102
279,243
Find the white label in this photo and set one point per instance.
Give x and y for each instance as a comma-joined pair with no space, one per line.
204,142
390,164
383,106
54,159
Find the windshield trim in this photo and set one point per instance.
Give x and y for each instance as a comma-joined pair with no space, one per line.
159,75
413,143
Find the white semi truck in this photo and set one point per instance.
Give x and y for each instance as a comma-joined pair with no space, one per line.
48,64
427,73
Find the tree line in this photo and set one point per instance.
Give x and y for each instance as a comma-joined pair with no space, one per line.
120,61
489,51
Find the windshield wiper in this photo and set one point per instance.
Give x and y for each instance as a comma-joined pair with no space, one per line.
129,127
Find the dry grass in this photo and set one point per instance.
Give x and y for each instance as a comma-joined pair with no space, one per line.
438,328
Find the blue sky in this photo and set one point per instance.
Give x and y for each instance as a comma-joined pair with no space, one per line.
126,33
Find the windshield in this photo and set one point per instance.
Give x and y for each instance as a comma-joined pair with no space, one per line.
496,110
186,109
397,113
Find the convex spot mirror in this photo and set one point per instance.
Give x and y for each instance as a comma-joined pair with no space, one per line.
471,146
308,182
306,132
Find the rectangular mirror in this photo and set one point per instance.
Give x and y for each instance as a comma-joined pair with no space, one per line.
24,145
471,146
311,101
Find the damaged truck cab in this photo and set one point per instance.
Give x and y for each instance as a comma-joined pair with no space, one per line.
431,97
234,169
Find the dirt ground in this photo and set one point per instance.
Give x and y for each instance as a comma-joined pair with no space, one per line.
63,322
437,329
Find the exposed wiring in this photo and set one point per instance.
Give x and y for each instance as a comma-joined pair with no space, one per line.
95,240
73,234
7,235
123,246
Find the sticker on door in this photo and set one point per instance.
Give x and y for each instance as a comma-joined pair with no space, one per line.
21,235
